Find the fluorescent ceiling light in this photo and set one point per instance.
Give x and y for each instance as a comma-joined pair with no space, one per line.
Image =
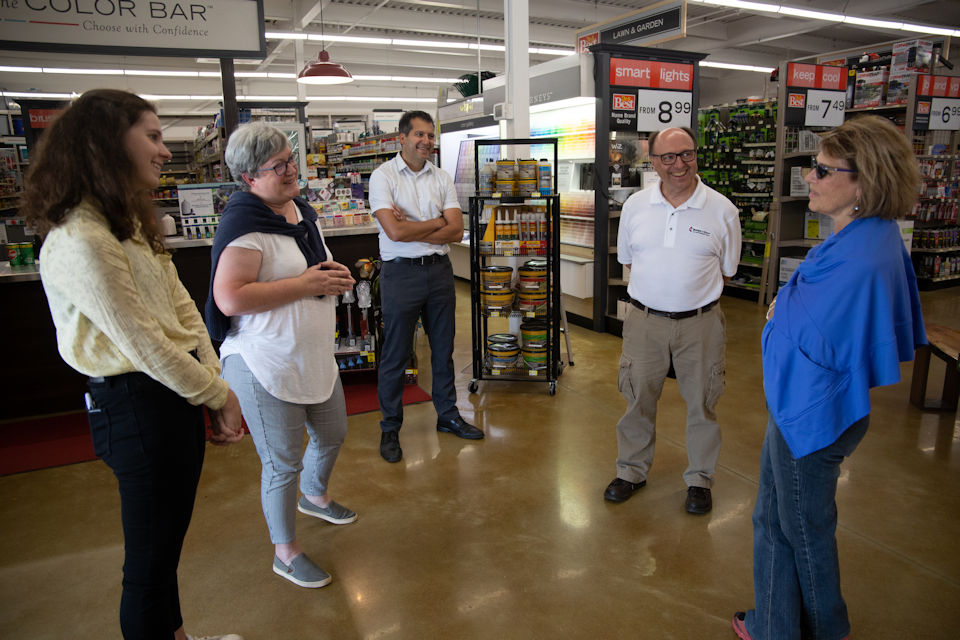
168,74
37,94
355,39
430,43
373,77
22,69
868,22
940,31
208,74
816,15
268,98
157,97
488,47
285,35
85,72
245,61
739,4
736,67
552,52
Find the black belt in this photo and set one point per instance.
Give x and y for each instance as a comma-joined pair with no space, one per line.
110,380
673,315
433,258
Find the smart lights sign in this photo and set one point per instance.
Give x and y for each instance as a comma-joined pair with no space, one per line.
221,28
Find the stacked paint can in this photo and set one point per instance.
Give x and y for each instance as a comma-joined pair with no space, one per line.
535,344
532,288
496,294
502,350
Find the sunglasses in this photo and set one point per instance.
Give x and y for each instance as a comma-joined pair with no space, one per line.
823,170
669,158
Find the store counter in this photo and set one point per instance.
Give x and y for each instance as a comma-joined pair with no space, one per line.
34,378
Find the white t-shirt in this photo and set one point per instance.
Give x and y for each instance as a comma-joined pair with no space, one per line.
678,256
422,196
289,349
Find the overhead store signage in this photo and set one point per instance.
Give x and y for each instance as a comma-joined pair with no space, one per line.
221,29
937,103
650,96
816,95
651,25
545,88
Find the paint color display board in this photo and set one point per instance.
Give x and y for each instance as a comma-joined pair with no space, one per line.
816,95
938,103
650,96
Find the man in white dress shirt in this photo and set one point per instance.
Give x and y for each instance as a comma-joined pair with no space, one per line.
418,213
682,241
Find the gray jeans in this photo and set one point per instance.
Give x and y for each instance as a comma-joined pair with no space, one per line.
697,346
277,430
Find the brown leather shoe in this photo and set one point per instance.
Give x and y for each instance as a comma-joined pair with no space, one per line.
620,490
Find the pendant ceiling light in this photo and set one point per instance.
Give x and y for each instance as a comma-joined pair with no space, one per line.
323,71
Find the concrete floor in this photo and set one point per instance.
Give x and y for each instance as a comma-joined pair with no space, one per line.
509,537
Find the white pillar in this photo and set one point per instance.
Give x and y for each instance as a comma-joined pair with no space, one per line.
516,14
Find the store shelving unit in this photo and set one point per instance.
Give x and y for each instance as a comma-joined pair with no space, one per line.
13,161
484,368
737,149
209,164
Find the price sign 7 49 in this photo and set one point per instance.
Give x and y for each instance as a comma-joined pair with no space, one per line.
824,108
658,110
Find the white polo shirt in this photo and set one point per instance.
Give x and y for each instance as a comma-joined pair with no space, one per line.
421,195
678,255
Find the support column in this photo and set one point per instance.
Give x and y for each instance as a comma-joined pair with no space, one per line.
516,14
229,87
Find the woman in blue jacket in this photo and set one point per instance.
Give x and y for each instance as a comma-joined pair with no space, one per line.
842,324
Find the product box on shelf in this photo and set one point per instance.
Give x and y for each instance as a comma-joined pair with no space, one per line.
898,86
906,232
799,186
787,267
817,226
916,55
870,88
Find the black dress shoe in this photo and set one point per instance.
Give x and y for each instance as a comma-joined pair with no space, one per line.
620,490
460,428
390,446
698,501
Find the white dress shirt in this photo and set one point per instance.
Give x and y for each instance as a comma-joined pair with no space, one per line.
421,195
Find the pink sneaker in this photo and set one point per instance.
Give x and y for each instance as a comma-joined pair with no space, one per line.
739,627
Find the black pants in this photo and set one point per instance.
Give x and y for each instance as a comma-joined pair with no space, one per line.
406,292
153,440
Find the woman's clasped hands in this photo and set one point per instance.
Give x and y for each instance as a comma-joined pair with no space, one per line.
327,278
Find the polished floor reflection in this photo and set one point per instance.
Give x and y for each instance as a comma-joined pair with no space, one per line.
509,537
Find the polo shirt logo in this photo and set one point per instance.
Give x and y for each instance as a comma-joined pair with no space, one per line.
701,232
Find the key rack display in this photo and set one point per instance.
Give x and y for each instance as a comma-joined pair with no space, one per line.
515,272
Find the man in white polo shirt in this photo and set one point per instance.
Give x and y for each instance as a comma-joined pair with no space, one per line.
418,213
682,241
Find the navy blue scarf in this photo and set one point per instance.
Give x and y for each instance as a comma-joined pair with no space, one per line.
246,213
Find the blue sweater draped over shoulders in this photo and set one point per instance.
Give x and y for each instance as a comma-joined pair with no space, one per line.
842,324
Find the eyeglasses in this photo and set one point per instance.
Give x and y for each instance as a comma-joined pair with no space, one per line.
823,170
281,167
669,158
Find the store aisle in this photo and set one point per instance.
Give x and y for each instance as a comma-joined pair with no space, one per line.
509,537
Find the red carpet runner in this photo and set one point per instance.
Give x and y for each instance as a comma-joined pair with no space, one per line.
38,443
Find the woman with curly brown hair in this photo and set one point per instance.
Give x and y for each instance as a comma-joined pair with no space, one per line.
124,319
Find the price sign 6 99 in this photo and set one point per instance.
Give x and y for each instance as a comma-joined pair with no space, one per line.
658,110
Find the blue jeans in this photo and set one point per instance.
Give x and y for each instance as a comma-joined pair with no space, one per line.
796,571
154,441
277,429
406,292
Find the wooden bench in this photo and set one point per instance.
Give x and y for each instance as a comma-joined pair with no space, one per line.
945,344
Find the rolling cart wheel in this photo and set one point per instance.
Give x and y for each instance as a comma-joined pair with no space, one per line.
553,388
472,387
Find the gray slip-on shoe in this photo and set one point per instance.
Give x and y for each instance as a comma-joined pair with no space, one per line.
333,512
302,571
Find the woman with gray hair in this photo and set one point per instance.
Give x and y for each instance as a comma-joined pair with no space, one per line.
272,301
